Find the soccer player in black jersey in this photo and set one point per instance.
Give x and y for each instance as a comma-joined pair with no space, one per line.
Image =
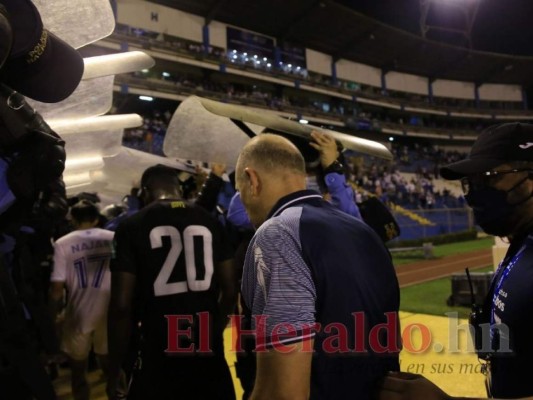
173,277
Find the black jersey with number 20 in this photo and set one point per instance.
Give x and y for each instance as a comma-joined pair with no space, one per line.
173,248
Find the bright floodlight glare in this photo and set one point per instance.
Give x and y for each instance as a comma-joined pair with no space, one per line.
264,58
144,71
290,65
269,65
146,98
304,121
391,139
255,56
234,51
165,74
245,54
456,1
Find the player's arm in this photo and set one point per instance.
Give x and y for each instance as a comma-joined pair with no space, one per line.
119,324
287,291
119,316
55,298
57,283
342,194
207,198
227,279
283,375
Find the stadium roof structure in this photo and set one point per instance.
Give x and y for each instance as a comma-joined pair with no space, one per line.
335,29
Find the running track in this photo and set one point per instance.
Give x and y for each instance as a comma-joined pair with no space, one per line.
423,271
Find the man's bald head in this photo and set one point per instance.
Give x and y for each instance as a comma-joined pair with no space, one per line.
269,168
271,154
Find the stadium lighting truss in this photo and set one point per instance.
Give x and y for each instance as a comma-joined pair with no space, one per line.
467,9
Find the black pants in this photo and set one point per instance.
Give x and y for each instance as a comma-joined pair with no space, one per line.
206,378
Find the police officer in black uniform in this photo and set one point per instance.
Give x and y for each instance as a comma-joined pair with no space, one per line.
497,179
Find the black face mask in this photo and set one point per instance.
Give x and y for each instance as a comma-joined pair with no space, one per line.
492,211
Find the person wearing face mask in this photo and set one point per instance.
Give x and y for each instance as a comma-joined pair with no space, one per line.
497,178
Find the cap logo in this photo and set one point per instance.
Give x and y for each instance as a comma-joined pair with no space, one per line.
39,48
526,145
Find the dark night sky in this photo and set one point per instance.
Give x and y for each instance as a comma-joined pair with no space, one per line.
501,26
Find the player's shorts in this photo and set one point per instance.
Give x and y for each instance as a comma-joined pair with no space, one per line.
77,344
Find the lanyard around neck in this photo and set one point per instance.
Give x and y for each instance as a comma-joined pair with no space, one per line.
503,276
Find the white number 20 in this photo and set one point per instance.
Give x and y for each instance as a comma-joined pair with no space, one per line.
162,287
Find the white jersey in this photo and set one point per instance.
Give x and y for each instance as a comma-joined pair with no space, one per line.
81,260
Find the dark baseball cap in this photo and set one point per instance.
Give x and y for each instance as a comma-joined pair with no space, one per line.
40,65
496,145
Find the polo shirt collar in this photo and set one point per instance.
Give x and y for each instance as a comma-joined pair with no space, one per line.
291,200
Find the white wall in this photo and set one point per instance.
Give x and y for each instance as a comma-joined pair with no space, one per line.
218,34
455,89
139,13
490,91
407,83
318,62
352,71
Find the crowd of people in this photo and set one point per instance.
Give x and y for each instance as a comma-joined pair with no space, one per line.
244,59
354,115
166,207
370,177
415,190
150,285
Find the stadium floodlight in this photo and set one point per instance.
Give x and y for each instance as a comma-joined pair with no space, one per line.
166,74
463,10
264,58
269,65
290,65
391,139
146,98
255,56
460,2
234,51
244,54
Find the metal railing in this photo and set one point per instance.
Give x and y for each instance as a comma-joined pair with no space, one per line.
445,220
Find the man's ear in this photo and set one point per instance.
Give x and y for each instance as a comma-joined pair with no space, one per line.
254,181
